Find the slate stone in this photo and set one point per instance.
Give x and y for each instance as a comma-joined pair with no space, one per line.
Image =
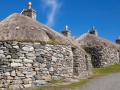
40,59
1,43
7,45
28,61
1,51
20,45
37,46
16,64
42,46
27,85
15,56
8,56
64,71
48,66
48,58
28,48
2,56
9,42
12,50
37,77
51,73
13,73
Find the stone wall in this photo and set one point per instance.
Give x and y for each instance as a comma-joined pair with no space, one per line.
81,64
103,56
24,64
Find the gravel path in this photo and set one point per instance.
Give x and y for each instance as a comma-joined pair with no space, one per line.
109,82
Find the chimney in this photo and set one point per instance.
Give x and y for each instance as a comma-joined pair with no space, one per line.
29,5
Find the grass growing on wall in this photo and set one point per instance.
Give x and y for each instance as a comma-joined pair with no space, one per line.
97,73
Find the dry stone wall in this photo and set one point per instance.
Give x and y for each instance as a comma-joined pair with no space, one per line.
81,64
103,56
25,64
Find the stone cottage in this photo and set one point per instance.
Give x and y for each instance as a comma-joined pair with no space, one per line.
28,55
103,52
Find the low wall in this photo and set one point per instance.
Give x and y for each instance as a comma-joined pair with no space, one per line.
22,64
103,56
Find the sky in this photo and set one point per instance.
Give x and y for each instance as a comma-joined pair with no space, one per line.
79,15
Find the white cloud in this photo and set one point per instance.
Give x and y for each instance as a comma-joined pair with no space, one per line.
54,8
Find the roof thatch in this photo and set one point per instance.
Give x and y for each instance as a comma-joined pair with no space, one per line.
92,40
18,26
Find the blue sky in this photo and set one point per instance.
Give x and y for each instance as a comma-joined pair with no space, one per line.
79,15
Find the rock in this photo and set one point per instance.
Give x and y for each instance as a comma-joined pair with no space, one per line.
33,73
36,65
12,50
17,60
28,61
55,77
9,69
37,53
36,69
20,54
40,59
42,46
7,45
23,69
28,75
26,82
14,43
1,51
48,66
25,72
48,58
48,78
30,55
43,65
64,71
2,56
28,65
17,82
19,73
22,57
17,47
37,46
7,73
32,58
13,73
9,78
15,56
27,85
28,48
16,64
13,87
8,56
54,59
23,52
38,77
51,69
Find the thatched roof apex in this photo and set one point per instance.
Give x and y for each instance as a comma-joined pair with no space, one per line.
92,40
18,26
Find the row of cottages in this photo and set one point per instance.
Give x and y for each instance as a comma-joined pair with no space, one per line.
32,54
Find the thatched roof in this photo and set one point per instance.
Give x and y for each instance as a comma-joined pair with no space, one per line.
18,26
92,40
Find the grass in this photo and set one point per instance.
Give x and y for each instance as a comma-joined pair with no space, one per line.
97,73
56,81
52,41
